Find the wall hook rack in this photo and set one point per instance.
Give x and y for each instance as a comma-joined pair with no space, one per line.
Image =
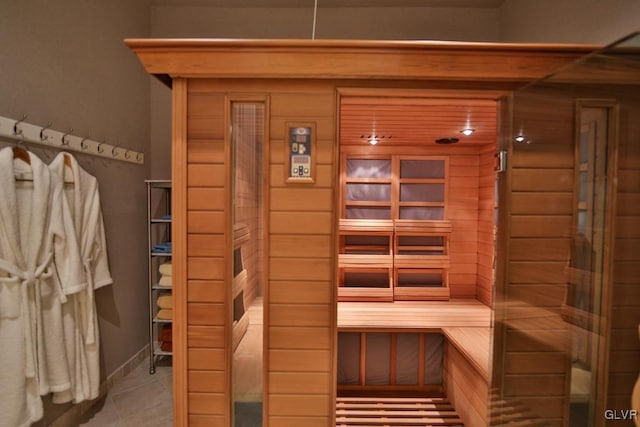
19,130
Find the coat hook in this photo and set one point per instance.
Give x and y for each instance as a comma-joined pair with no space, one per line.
64,137
100,149
44,137
127,155
114,151
16,130
82,144
139,157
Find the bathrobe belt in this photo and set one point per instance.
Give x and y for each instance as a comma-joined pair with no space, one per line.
90,337
29,278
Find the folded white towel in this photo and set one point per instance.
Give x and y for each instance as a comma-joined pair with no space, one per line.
166,269
165,301
165,314
165,281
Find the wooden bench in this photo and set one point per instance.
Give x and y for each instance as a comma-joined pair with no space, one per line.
465,325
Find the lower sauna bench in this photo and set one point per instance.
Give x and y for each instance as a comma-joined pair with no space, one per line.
413,378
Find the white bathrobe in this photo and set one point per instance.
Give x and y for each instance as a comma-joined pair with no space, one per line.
81,318
39,267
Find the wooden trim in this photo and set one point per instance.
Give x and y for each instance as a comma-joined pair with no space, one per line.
179,259
335,239
345,59
228,274
363,358
603,327
266,189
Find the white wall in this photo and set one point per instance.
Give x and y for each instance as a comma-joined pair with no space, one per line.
331,23
65,62
568,21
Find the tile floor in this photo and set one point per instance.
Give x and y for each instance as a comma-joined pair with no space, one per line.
138,399
143,400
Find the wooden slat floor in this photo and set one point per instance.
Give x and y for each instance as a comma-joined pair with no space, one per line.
395,411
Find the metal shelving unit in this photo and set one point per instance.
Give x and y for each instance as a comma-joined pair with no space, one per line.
158,231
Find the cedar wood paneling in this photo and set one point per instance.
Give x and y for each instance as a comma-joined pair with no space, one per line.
486,226
207,261
466,388
300,264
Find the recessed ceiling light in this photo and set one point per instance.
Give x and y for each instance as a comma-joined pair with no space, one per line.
467,131
521,139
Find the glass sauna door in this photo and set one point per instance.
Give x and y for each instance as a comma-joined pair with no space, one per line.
566,348
247,140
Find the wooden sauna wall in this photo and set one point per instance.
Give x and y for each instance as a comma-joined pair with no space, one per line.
466,388
300,309
624,346
486,225
301,262
471,222
463,196
208,258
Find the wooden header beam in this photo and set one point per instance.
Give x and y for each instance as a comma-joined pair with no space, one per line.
343,59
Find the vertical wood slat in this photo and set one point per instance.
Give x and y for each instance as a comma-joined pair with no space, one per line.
179,259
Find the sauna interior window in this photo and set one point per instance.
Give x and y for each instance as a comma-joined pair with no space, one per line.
393,231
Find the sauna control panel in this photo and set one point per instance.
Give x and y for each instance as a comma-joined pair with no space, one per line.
300,152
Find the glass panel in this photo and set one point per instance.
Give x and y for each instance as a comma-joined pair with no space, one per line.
420,212
369,168
368,192
574,362
428,169
407,358
247,140
420,278
378,359
433,358
348,358
367,245
421,245
358,279
353,212
422,192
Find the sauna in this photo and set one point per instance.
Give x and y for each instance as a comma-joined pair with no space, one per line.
360,212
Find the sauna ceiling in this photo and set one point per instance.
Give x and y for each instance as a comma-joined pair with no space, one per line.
416,121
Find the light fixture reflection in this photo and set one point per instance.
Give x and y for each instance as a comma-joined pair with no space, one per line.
467,131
